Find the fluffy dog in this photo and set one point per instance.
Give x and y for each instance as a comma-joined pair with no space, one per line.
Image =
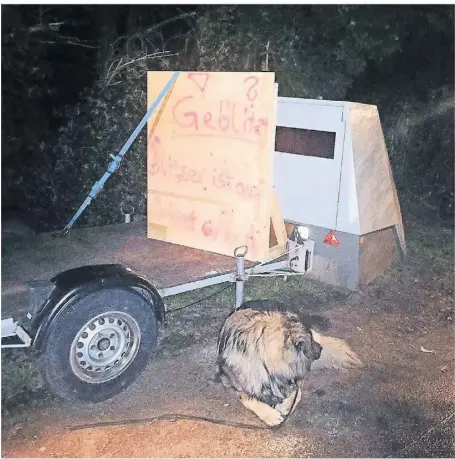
264,353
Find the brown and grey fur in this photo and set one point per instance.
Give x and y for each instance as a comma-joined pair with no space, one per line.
264,353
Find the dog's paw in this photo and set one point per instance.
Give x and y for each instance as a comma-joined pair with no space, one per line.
273,418
264,412
289,403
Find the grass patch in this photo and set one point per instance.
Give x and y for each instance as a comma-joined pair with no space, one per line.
22,384
430,243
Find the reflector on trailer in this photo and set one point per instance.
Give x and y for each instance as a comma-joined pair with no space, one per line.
331,239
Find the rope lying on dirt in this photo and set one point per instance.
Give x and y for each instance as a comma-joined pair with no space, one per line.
171,418
176,417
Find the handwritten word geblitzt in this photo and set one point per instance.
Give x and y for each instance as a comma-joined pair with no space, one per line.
227,118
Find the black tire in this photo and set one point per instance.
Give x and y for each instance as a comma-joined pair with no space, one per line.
55,360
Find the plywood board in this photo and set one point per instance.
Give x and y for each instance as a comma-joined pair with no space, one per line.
279,229
378,251
277,240
210,159
377,201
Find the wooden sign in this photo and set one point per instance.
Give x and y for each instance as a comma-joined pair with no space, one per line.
209,161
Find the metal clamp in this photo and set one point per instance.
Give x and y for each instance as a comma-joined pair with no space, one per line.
127,213
236,251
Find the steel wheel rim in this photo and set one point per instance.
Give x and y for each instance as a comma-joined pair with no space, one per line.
104,347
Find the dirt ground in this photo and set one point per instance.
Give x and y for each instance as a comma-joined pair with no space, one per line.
401,404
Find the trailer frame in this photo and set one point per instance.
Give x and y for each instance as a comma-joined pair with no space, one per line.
297,260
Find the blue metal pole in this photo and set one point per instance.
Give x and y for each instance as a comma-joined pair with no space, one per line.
114,164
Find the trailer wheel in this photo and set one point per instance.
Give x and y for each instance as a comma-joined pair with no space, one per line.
96,347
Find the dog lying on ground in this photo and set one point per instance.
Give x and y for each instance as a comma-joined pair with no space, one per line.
264,353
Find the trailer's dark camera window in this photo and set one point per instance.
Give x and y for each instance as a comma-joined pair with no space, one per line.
305,142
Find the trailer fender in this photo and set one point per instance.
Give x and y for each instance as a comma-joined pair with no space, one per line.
70,286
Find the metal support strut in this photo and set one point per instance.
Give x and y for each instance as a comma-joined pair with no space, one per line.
240,276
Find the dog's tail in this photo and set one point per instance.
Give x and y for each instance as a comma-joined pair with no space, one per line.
336,353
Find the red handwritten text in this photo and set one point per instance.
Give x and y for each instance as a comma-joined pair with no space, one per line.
200,80
252,91
167,211
178,172
166,166
223,233
231,118
238,118
184,219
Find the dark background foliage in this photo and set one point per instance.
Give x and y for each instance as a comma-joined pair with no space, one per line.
74,88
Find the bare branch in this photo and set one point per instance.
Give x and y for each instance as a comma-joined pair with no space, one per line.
52,26
170,20
78,43
72,38
121,65
186,20
67,42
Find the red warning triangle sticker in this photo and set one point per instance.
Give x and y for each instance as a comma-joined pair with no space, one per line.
331,239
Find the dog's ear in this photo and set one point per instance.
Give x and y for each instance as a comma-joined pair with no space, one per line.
309,348
304,346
